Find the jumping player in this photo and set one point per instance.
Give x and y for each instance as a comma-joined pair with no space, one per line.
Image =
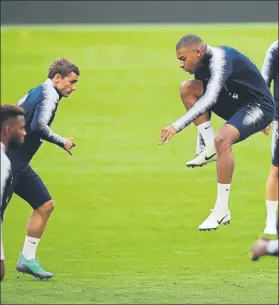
230,85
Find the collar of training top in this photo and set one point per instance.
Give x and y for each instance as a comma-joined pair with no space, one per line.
50,83
208,49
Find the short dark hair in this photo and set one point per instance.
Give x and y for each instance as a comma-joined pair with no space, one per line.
10,111
188,40
62,66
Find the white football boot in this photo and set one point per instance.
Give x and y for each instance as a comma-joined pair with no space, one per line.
218,216
205,157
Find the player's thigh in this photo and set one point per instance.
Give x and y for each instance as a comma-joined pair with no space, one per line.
32,189
250,119
275,144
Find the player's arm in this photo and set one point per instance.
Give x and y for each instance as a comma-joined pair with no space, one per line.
268,70
5,174
220,66
270,63
44,111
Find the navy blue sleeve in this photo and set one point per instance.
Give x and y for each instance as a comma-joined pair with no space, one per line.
45,110
221,67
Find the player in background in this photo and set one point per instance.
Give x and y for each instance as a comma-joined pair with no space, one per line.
12,131
40,105
264,246
229,84
270,73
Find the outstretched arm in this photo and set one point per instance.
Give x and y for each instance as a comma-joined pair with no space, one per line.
220,66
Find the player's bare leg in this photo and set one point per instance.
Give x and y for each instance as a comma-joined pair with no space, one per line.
38,219
271,201
224,140
190,92
272,184
35,227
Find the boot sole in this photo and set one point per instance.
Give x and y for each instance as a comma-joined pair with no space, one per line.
214,229
199,165
23,269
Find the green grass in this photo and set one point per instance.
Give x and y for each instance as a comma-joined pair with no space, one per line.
125,225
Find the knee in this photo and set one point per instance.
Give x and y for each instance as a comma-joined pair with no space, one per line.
47,207
221,142
191,87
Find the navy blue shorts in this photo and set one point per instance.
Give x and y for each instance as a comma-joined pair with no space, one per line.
247,118
30,187
250,119
275,144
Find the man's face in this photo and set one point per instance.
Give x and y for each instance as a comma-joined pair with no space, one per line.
189,58
66,85
15,130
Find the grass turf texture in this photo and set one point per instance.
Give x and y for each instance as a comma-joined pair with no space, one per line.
125,225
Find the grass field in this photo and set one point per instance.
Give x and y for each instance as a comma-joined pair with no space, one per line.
125,225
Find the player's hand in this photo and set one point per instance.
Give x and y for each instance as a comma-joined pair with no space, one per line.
166,134
69,145
267,129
